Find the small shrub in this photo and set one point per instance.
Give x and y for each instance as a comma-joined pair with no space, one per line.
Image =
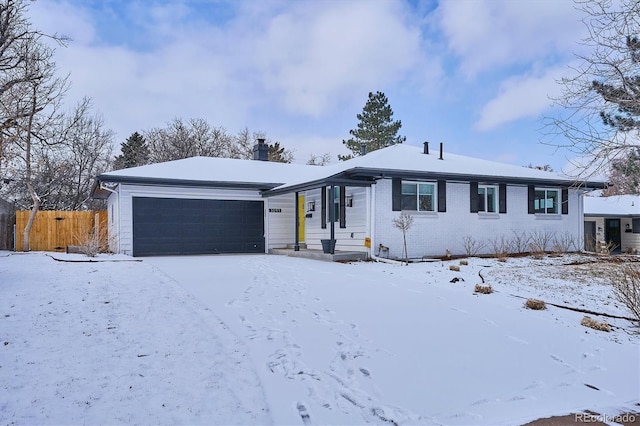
501,247
464,262
626,289
454,268
608,248
564,243
483,289
519,242
535,304
471,245
539,241
596,325
93,241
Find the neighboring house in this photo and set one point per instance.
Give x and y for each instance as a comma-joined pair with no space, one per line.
219,205
612,220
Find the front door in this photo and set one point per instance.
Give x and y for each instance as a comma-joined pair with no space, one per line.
612,233
301,216
590,235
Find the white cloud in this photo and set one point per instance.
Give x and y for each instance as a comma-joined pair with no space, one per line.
521,97
491,34
313,56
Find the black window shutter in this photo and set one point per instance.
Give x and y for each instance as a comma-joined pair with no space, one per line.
473,199
531,199
502,198
323,208
396,194
343,204
636,225
565,201
442,196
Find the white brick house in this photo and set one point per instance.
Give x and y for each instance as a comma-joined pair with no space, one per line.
178,207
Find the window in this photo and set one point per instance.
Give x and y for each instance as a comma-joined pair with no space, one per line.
311,206
487,199
546,201
418,196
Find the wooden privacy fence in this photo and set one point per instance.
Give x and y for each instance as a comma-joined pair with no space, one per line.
54,230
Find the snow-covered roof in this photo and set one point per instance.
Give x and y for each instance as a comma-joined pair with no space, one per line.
210,169
408,159
617,205
397,160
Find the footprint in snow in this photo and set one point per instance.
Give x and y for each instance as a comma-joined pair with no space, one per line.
304,413
459,310
365,372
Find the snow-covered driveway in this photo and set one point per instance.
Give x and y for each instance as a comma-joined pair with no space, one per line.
353,343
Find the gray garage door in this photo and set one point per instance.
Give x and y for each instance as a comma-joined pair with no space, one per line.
169,226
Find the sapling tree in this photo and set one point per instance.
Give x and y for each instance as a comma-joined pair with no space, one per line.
404,222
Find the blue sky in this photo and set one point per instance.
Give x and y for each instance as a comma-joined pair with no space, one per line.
475,74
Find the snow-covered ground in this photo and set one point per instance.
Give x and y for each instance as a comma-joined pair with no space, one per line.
276,340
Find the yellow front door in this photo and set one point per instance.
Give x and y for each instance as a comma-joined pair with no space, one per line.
301,213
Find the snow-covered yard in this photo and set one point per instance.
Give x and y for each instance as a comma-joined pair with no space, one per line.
275,340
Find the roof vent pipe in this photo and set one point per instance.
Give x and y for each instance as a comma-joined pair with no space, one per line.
363,148
441,150
426,148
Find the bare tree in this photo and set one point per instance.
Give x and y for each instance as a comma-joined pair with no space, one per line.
37,104
404,222
322,160
17,41
601,100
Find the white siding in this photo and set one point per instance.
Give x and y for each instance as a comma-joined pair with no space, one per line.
127,192
434,233
113,215
281,222
629,240
350,238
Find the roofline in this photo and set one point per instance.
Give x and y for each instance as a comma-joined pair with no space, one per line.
185,182
367,176
391,173
612,215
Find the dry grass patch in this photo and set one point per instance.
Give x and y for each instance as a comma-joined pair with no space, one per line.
535,304
464,262
596,325
454,268
483,289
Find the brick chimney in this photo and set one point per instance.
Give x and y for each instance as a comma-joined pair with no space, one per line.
261,151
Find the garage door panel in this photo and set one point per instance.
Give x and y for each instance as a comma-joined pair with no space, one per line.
191,226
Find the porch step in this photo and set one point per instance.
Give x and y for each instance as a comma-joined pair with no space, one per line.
292,245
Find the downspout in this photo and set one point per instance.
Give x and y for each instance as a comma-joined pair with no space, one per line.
581,247
119,218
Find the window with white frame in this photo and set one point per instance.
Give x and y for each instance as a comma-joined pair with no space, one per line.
487,198
546,201
418,196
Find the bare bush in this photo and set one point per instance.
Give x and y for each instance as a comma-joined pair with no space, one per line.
607,248
520,242
471,245
535,304
94,241
483,289
565,242
596,325
626,289
501,247
540,240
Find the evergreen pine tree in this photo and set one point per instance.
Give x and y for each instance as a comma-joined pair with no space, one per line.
135,152
376,128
